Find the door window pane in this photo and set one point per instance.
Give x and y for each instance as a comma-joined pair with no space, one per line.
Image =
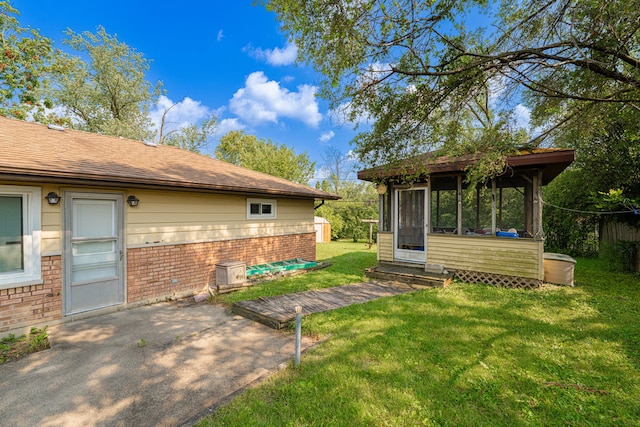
94,218
94,261
11,231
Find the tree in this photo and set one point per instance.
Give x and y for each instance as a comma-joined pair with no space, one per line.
417,68
189,137
108,93
359,199
24,60
339,166
265,156
604,179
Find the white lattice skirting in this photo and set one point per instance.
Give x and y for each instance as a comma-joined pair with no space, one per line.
497,280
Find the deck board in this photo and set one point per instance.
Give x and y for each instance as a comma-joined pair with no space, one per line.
278,311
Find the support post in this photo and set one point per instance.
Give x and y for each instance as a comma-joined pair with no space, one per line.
537,205
459,208
493,207
298,332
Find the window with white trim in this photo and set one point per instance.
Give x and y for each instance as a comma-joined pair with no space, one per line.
19,236
261,208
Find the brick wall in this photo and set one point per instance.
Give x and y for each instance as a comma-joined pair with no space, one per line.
152,273
28,305
162,271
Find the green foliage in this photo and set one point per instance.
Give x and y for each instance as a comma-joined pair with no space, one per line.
464,355
12,347
352,215
265,156
572,233
359,201
622,256
428,74
608,154
24,63
109,92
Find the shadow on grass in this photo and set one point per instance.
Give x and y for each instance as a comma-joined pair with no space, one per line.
465,355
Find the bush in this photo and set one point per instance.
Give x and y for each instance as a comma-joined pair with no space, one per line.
621,256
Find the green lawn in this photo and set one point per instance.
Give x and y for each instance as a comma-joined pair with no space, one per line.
465,355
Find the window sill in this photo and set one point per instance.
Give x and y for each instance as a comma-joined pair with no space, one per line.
20,283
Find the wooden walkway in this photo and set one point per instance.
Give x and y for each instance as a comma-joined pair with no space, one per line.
278,311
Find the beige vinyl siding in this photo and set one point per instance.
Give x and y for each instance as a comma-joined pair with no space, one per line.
173,217
385,246
511,257
51,236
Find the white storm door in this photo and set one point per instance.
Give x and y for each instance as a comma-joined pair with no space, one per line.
93,251
410,225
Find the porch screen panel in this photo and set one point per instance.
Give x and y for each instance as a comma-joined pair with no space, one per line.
11,243
411,220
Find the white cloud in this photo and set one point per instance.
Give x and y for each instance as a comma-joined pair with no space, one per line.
227,125
522,116
326,136
178,114
263,100
276,56
220,35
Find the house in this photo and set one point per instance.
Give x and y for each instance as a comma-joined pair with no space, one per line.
491,233
92,223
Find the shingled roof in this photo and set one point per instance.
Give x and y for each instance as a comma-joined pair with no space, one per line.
33,152
552,161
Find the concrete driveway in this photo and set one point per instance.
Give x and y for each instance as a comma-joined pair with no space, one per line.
161,365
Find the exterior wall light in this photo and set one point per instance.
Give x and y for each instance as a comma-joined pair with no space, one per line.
382,189
133,201
53,198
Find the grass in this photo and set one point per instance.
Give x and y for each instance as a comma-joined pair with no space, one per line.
464,355
348,261
13,348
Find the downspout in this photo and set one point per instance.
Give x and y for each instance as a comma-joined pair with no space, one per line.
316,207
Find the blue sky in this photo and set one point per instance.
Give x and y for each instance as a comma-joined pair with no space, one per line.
223,57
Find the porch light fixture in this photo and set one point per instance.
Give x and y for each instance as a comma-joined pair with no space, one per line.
382,189
53,198
133,201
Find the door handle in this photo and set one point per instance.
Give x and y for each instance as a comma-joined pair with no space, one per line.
121,255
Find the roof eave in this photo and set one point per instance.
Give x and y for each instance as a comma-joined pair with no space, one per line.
562,158
122,182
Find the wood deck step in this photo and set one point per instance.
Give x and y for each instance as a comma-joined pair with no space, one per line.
410,275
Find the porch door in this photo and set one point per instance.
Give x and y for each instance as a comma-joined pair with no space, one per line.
93,241
410,225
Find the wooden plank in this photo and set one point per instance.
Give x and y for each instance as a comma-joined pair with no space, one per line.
276,312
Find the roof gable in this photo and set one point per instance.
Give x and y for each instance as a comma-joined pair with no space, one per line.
33,151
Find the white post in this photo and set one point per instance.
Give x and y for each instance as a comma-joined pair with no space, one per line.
298,332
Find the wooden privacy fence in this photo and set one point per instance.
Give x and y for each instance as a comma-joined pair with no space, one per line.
611,232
